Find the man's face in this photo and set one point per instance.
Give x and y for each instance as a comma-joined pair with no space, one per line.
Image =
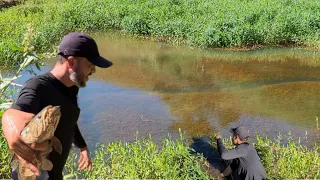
82,69
235,139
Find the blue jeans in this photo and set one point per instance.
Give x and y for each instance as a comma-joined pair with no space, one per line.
43,175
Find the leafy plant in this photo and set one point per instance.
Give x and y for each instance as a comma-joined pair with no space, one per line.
29,58
141,159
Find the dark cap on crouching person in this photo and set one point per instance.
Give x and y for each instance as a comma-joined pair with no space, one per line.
241,131
82,45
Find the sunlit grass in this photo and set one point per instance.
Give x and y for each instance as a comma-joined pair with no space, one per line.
143,159
215,23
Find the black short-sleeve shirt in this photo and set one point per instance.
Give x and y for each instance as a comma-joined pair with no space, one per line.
46,89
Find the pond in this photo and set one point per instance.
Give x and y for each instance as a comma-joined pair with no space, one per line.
155,88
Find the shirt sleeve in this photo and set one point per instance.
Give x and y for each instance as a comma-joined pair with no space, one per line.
28,99
228,154
78,140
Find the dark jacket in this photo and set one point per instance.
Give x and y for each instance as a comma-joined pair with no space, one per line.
245,161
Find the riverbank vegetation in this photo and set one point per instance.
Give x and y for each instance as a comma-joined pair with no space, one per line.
143,159
174,159
37,25
178,159
282,158
215,23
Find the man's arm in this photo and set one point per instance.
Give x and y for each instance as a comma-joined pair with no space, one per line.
226,172
230,153
78,140
84,160
15,119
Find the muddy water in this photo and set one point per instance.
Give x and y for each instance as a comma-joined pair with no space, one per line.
157,88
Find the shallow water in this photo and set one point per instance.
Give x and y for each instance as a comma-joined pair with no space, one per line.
157,88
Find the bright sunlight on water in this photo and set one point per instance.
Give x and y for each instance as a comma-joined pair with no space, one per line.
157,88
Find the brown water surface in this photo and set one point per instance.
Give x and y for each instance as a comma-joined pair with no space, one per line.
156,88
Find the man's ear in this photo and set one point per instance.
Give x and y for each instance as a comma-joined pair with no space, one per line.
237,137
71,62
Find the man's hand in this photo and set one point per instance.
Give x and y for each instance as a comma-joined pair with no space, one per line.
84,160
25,154
222,175
226,172
218,136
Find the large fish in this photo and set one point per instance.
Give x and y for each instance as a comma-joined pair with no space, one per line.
39,130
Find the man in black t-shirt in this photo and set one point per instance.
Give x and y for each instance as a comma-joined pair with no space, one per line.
78,56
244,158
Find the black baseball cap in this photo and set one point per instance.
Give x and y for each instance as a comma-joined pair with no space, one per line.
82,45
241,131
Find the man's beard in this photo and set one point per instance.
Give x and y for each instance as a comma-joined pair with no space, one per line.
78,78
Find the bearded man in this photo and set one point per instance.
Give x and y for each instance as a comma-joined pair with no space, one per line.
78,57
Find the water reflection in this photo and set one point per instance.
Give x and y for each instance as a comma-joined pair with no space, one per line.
155,88
208,90
199,113
163,68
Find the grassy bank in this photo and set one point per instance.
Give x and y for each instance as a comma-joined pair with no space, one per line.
293,161
215,23
142,159
174,159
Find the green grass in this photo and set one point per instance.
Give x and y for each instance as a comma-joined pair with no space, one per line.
214,23
293,161
4,153
143,159
201,23
4,157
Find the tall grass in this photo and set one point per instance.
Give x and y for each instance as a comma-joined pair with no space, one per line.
143,159
4,154
213,23
290,161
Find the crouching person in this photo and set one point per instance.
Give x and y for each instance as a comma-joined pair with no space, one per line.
244,158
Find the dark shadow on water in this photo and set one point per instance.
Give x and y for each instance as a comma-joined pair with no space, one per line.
201,145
